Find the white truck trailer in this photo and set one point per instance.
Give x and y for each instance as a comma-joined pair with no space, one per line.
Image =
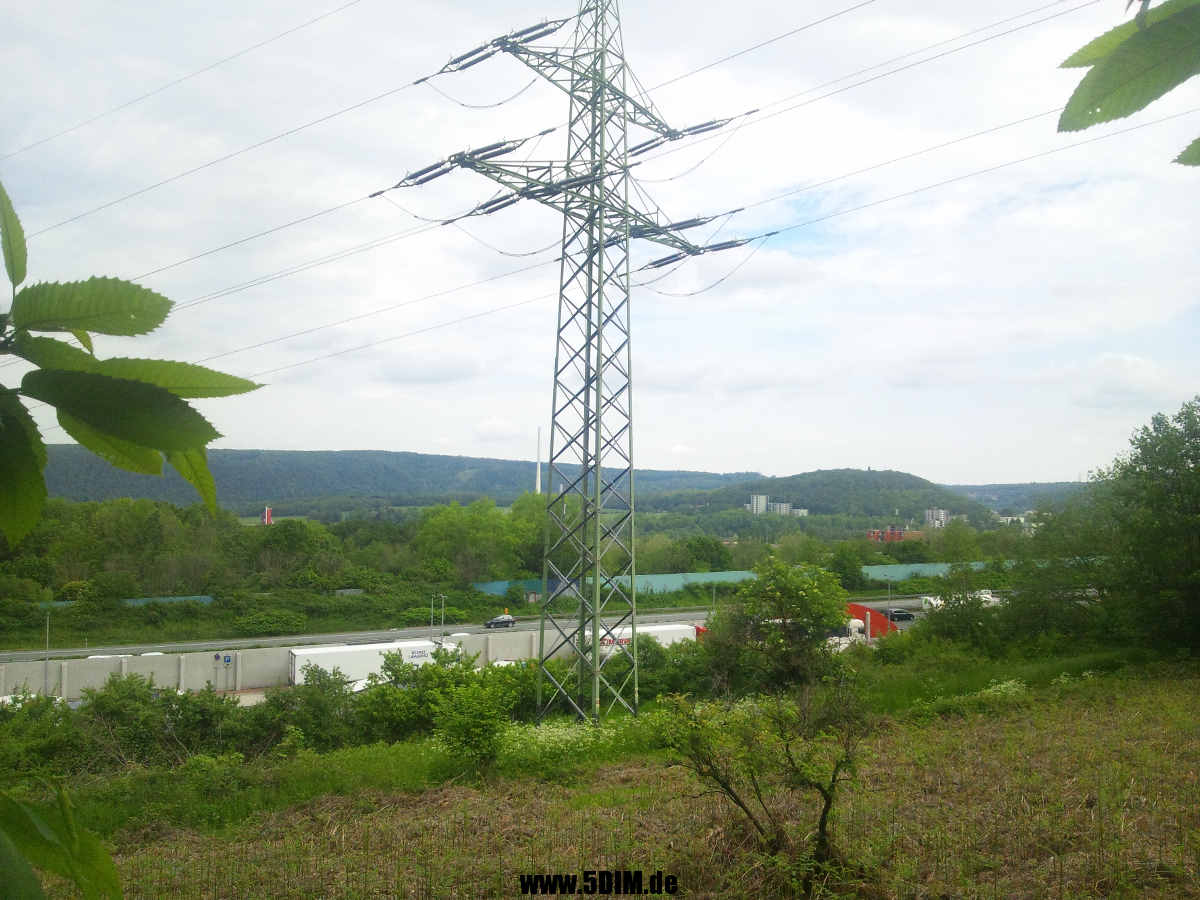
357,661
666,634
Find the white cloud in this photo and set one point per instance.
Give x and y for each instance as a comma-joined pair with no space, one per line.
1015,325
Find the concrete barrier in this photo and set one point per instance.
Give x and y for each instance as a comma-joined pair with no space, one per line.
227,671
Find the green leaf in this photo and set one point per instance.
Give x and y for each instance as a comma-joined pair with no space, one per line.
1190,155
13,239
122,454
193,466
142,414
20,881
85,340
48,353
181,379
1091,53
104,305
53,844
22,459
1140,70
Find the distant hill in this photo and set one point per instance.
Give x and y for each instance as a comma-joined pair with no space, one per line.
1015,499
258,477
898,495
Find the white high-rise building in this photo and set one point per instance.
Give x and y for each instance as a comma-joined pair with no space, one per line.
758,504
937,518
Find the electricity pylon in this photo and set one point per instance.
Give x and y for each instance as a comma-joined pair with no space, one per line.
589,586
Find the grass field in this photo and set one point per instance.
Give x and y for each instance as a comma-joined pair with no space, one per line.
1086,787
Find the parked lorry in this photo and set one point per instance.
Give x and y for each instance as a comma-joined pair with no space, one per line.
666,634
357,661
854,632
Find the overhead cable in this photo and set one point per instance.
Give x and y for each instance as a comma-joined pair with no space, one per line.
380,96
761,44
407,334
944,182
180,80
759,237
236,153
764,117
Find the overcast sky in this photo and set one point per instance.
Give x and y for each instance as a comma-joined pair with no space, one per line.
1011,326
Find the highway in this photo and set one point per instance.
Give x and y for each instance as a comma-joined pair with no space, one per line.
305,640
528,623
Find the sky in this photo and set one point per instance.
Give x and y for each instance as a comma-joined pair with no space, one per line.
1015,325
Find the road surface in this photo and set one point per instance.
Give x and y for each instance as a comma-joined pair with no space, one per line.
304,640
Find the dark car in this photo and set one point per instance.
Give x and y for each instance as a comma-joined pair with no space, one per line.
899,615
504,621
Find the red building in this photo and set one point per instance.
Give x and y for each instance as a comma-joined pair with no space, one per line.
891,535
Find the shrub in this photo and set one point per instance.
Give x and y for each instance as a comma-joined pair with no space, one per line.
40,735
271,621
322,708
470,718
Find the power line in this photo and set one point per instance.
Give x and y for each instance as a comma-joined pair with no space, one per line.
420,80
465,105
761,44
759,237
248,238
879,165
375,312
305,266
221,159
768,116
433,223
548,27
407,334
964,177
178,81
928,47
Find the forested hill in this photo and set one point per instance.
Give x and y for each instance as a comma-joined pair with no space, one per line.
1014,499
249,477
832,491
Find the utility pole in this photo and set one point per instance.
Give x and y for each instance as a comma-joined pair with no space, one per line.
589,585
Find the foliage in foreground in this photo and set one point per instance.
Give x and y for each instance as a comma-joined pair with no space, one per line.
1088,791
1134,64
132,412
757,752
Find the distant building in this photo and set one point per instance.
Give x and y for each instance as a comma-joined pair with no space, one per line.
798,511
937,518
891,535
782,507
758,504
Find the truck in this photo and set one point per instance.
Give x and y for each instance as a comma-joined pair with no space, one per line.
666,634
854,632
357,661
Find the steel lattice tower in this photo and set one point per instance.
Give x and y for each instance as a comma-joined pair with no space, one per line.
589,588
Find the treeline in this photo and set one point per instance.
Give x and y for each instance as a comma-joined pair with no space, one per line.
273,477
1119,562
897,496
281,579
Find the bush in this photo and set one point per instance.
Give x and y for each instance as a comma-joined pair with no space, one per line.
40,736
469,720
403,701
323,708
78,591
271,621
